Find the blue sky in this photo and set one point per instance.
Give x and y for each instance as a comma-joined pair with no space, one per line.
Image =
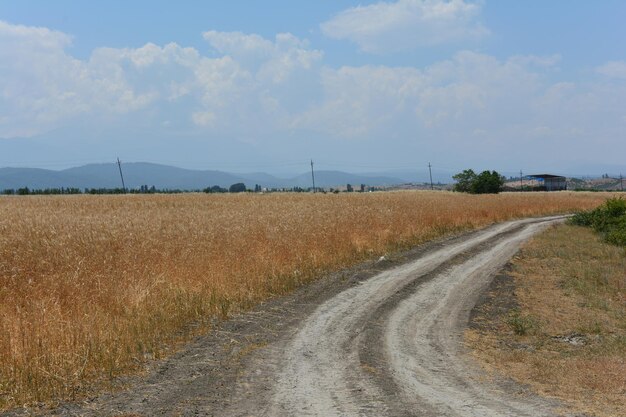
246,85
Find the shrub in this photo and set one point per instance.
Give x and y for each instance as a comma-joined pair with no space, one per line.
609,220
617,234
522,325
615,207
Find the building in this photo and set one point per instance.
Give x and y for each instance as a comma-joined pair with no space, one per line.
550,182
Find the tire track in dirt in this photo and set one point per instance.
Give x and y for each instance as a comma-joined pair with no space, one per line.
423,340
420,368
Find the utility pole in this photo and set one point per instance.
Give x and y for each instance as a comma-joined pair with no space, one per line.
313,176
430,171
621,181
521,184
119,165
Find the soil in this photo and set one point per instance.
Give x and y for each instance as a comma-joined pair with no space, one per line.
382,339
499,300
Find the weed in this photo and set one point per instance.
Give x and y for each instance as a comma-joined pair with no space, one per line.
521,324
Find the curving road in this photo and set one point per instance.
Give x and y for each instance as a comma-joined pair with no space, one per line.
392,346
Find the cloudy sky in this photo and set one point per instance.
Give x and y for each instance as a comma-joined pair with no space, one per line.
355,85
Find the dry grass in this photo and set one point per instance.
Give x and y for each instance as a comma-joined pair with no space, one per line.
569,283
92,286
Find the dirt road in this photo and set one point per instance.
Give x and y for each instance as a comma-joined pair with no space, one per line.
385,340
393,345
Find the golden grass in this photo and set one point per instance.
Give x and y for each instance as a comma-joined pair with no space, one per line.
568,283
92,286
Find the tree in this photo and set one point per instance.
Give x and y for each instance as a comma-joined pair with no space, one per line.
464,181
239,187
487,182
215,189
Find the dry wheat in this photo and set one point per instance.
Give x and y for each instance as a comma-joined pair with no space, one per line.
91,286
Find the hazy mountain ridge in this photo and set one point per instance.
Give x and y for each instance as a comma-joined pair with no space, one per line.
169,177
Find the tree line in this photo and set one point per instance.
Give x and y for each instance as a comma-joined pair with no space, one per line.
144,189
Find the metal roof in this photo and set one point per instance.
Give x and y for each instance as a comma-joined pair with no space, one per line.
545,176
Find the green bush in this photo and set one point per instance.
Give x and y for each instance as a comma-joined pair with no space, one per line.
583,218
609,220
617,234
615,207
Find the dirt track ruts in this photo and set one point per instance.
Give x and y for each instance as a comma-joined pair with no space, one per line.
418,311
387,345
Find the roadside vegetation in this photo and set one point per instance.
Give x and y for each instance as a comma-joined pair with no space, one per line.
563,332
93,286
609,220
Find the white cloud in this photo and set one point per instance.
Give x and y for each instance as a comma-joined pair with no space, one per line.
613,69
39,83
45,88
466,92
538,61
476,88
255,87
359,101
38,38
203,118
271,60
468,105
407,24
239,44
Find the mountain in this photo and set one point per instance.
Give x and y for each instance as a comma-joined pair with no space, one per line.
41,178
265,180
108,176
417,175
335,178
161,176
168,177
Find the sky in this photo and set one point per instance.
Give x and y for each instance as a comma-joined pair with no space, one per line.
361,86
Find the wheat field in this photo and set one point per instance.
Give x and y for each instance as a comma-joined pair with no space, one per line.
93,286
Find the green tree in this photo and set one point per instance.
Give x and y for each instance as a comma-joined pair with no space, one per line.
487,182
240,187
464,181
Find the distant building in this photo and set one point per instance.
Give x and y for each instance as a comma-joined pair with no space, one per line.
551,182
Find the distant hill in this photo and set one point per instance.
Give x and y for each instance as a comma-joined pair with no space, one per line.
335,178
41,178
168,177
